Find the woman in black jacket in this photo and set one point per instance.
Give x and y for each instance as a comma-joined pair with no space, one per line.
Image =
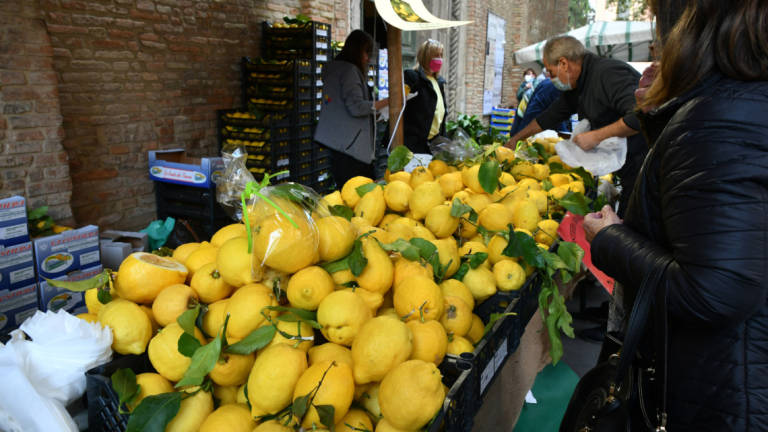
424,116
701,201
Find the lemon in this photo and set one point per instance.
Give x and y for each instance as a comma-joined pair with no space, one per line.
522,171
405,269
192,413
200,257
496,247
559,179
539,197
540,171
369,398
388,311
225,394
480,282
556,159
418,297
273,378
336,389
429,341
420,231
232,369
209,284
478,201
456,288
547,232
459,345
272,426
336,237
402,176
240,397
234,263
495,217
372,300
260,210
411,394
378,274
333,199
576,187
467,229
308,287
148,311
142,275
372,206
476,330
164,352
450,183
91,318
213,318
402,228
470,179
150,384
330,351
387,219
182,252
354,421
244,309
362,226
384,426
342,315
440,221
275,280
509,275
342,277
230,418
280,245
448,252
173,301
505,154
437,168
472,247
296,330
349,190
228,232
558,192
424,197
420,175
92,302
457,318
525,215
507,179
397,194
381,344
131,328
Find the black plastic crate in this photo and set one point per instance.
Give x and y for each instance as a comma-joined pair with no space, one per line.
320,151
452,416
325,186
321,163
299,145
303,132
196,205
260,73
269,148
103,403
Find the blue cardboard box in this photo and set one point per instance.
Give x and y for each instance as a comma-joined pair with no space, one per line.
16,306
17,266
61,254
174,166
13,221
54,299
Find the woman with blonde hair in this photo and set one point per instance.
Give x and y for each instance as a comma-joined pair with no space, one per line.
424,117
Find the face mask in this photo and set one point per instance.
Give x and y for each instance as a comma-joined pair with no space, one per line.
436,64
561,85
528,78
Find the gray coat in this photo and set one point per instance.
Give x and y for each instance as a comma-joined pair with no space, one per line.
346,119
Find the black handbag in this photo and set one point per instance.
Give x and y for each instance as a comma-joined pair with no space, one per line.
614,395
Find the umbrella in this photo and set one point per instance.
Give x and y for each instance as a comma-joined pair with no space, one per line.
623,40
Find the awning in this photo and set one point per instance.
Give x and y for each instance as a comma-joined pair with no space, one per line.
412,15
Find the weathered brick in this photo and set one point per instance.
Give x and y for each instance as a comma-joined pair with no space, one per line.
23,147
56,28
11,77
46,78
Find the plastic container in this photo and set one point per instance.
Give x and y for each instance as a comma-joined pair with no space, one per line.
103,403
196,205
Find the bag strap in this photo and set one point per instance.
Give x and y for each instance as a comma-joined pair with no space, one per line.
661,321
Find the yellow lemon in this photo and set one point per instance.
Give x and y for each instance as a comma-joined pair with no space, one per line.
429,341
349,190
302,336
456,288
507,179
457,318
420,175
522,170
164,352
380,345
260,210
228,232
192,412
476,330
308,287
142,275
470,179
448,252
418,297
424,197
131,328
150,384
342,314
509,275
336,237
273,378
467,229
525,215
147,310
459,345
225,394
405,269
284,247
495,217
437,168
576,187
480,282
91,318
213,319
342,277
232,369
244,309
450,183
368,397
558,192
182,252
372,206
387,219
230,418
472,247
397,194
421,231
538,197
547,232
540,171
330,351
478,201
92,302
378,274
496,247
556,159
402,176
354,421
333,199
411,394
336,389
505,154
272,426
234,263
209,284
199,258
384,426
559,179
440,221
173,301
372,300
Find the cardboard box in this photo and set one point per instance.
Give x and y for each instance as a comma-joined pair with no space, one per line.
17,267
16,306
174,166
115,246
61,254
13,221
54,299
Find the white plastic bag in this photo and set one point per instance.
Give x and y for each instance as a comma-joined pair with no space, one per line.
607,157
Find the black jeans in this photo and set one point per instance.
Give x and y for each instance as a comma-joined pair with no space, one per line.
344,167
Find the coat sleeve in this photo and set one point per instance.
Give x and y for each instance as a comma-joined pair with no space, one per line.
353,94
558,112
713,208
619,85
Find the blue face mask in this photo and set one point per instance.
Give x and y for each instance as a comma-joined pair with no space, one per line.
561,85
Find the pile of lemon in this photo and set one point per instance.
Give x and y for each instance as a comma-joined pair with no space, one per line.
386,329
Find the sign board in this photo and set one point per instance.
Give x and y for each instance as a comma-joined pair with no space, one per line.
494,62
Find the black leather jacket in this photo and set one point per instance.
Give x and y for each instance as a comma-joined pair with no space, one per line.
702,199
420,111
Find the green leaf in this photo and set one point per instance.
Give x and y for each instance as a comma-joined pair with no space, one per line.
495,317
556,345
187,320
337,266
553,262
546,185
571,254
256,340
37,213
301,405
438,269
488,176
364,189
461,272
459,209
303,314
522,245
357,260
399,158
575,203
586,177
342,211
294,318
188,344
103,296
404,248
598,203
154,413
426,248
124,384
473,216
477,259
557,168
97,281
326,414
203,362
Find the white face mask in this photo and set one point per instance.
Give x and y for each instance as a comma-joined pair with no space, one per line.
529,78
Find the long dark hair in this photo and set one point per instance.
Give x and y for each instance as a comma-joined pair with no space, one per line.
357,43
712,37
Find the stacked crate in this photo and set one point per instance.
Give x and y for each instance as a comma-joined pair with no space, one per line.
502,119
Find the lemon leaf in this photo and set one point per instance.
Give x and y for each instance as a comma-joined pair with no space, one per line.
426,248
154,413
301,405
187,320
188,344
575,203
571,254
103,295
124,384
546,185
477,259
399,158
357,260
342,211
337,266
488,176
459,209
326,414
461,272
203,361
97,281
303,314
256,340
364,189
495,317
403,247
522,245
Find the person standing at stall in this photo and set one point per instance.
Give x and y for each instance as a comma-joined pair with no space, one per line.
346,126
599,89
424,116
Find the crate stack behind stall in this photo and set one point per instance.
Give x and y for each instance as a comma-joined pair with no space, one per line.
502,119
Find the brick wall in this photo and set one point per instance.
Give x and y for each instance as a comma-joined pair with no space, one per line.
32,160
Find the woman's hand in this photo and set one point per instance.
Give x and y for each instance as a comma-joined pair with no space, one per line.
594,222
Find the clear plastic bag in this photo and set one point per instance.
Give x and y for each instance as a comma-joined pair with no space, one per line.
607,157
459,149
233,183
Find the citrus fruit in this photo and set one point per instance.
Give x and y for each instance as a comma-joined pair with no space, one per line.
547,232
164,352
213,318
209,284
378,274
402,176
91,318
429,340
354,421
397,194
230,418
525,215
182,252
437,167
349,190
333,199
381,344
192,413
336,389
368,397
336,237
405,269
496,247
131,328
495,217
330,351
372,206
308,287
470,179
459,345
457,318
450,183
272,426
420,175
228,232
273,378
476,330
456,288
173,301
142,275
342,314
203,255
244,309
440,222
235,264
92,302
302,335
448,252
418,297
232,369
149,384
509,275
225,394
481,283
411,394
424,197
279,244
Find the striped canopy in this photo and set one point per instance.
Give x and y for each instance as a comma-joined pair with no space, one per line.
623,40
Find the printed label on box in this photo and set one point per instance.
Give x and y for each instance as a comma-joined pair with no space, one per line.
16,306
178,174
54,299
13,221
69,251
17,266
